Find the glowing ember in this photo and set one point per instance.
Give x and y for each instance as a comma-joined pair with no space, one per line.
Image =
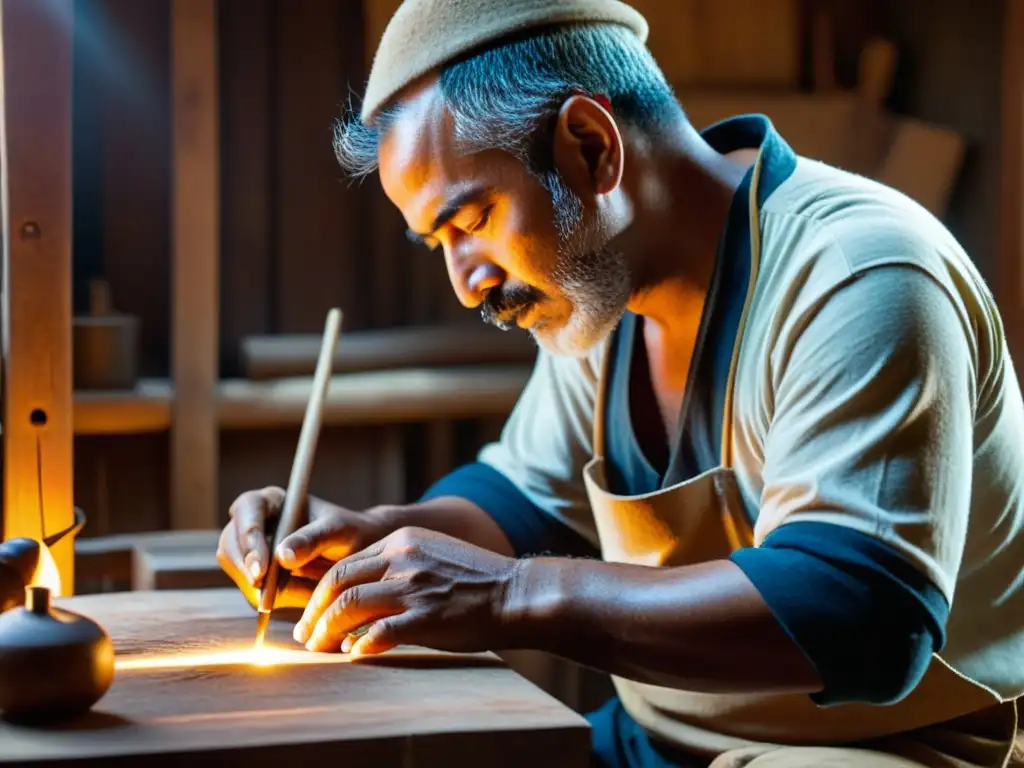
240,657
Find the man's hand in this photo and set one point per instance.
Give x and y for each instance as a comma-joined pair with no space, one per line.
414,587
332,533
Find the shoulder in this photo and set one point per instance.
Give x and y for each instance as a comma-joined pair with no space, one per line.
824,229
855,221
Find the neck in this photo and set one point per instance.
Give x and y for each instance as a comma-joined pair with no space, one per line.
680,192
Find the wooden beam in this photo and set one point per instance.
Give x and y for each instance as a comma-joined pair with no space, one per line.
355,399
283,355
195,263
1009,268
35,154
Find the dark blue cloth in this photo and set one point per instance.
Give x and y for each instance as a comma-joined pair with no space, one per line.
618,741
530,530
866,618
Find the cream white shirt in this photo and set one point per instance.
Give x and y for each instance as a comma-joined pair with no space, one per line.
874,390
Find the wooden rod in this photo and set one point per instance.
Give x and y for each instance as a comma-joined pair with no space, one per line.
195,265
302,467
36,51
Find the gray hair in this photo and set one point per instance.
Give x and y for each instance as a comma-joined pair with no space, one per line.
506,97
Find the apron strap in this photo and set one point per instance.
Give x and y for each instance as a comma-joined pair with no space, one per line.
755,263
599,402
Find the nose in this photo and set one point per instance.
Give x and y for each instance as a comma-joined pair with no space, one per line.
472,276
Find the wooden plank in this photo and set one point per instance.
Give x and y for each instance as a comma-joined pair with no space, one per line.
195,265
320,220
923,163
35,155
410,707
146,409
179,568
1009,267
113,557
377,397
266,357
247,196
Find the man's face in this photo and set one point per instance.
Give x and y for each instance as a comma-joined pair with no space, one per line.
528,252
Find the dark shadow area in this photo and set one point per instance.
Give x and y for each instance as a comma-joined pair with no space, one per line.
417,660
91,721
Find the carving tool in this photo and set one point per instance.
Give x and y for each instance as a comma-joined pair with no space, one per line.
302,467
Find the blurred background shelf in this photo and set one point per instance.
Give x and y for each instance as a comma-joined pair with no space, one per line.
398,396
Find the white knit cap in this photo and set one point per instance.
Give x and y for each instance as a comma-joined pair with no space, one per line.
423,35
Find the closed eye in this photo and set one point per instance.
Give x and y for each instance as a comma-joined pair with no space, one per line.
484,219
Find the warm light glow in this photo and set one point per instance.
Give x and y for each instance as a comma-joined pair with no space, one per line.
248,656
46,573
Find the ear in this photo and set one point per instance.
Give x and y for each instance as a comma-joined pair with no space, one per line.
588,147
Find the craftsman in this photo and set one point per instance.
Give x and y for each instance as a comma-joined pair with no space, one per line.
768,469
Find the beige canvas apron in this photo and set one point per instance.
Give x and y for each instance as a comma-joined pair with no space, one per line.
704,519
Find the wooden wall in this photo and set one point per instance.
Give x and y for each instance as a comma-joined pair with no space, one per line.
951,73
296,237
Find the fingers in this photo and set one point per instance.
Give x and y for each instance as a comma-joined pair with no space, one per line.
343,576
229,556
314,570
381,636
249,513
354,608
331,532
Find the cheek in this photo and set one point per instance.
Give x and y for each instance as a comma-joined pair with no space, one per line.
530,246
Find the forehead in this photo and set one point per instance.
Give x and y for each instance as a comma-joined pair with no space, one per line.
421,166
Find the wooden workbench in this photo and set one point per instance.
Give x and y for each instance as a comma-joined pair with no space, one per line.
407,708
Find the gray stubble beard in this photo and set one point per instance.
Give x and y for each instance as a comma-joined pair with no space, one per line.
595,277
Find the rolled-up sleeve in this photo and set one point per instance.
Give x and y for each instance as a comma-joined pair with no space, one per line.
867,482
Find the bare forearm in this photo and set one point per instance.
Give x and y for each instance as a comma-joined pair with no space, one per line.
452,516
700,628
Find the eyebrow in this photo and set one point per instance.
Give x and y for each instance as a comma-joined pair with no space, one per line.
448,211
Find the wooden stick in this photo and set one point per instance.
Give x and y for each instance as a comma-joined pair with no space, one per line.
302,467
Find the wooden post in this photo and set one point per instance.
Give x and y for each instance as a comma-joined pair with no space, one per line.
1009,268
35,154
195,264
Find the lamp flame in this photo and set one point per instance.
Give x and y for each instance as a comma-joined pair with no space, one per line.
46,573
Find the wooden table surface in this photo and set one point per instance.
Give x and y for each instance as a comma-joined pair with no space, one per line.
186,693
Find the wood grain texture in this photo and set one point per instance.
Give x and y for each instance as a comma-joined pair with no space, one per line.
725,42
376,397
320,259
269,357
408,708
195,263
35,154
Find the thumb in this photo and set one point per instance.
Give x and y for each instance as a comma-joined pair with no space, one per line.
312,540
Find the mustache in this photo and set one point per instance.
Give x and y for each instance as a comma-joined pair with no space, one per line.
501,307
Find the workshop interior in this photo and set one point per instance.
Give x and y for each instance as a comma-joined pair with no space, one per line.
177,233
